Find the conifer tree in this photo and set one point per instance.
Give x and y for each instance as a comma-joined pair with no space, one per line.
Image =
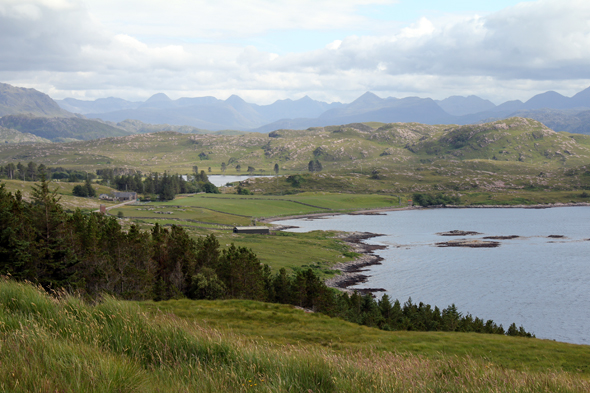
54,256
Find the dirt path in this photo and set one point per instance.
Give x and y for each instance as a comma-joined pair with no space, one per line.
117,205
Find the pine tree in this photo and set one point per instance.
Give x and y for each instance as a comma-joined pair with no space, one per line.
55,258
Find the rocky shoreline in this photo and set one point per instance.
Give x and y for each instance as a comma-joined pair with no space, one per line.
352,272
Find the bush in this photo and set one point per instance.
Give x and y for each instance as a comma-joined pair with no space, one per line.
243,191
434,200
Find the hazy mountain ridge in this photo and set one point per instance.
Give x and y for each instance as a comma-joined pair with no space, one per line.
209,114
16,100
235,113
58,128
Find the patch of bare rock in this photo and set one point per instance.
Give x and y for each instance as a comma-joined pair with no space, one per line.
458,233
471,243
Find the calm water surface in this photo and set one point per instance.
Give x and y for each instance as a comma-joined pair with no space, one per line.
222,180
538,282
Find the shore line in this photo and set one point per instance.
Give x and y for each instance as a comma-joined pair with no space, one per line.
352,272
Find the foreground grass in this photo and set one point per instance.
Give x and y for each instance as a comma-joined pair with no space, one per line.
64,345
287,326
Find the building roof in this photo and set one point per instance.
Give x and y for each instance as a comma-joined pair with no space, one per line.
258,229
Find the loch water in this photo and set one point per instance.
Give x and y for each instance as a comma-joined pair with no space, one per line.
537,281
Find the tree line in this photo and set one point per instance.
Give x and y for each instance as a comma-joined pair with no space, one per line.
34,172
92,254
163,186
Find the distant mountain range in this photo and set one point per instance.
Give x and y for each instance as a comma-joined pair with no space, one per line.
30,111
234,113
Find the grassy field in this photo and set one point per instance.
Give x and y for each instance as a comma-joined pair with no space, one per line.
318,250
64,191
49,345
258,206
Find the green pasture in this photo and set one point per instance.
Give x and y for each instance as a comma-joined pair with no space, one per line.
318,250
282,324
182,223
258,206
251,206
183,213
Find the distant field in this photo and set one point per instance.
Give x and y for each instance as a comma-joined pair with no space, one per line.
269,206
187,212
64,190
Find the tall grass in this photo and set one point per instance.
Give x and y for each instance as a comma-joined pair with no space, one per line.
50,344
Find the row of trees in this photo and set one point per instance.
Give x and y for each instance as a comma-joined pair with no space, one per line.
238,168
34,172
164,185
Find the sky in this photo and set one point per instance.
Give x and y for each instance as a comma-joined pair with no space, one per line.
265,50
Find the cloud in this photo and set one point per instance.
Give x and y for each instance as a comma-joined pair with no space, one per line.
230,19
194,48
539,41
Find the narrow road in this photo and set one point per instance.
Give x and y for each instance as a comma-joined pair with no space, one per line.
117,205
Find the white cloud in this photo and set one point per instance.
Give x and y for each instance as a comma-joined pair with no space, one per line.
189,48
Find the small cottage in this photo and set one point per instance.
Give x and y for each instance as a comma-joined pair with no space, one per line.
124,196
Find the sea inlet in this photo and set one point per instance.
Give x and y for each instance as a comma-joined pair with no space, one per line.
537,276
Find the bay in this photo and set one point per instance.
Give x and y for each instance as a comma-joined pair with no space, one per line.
536,281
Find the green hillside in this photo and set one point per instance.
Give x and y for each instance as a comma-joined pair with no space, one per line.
62,344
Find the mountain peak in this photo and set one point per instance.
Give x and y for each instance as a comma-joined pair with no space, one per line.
367,98
158,97
234,99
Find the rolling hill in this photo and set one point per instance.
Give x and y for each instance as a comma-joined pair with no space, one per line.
512,154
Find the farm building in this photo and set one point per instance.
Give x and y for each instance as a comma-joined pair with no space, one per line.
124,196
260,230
